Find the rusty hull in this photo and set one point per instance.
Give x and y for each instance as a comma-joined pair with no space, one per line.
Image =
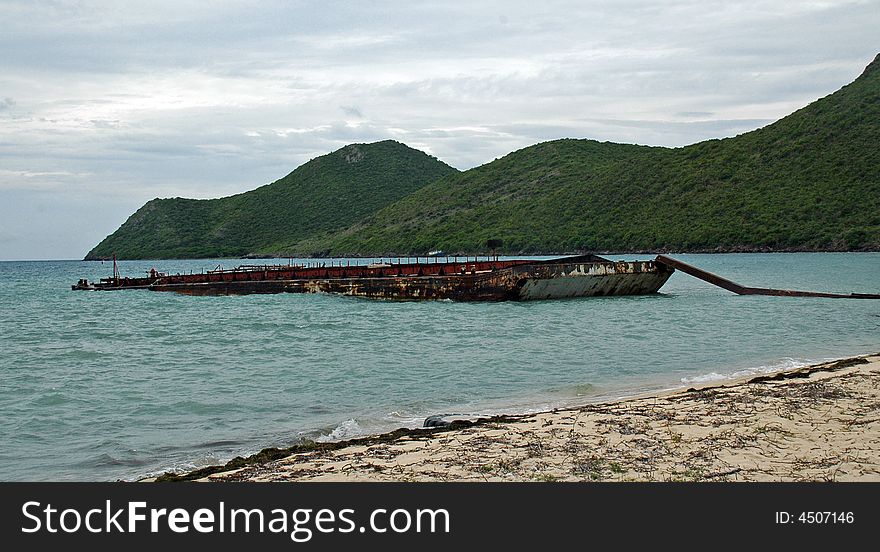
477,281
468,280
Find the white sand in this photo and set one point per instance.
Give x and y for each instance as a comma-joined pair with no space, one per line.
818,423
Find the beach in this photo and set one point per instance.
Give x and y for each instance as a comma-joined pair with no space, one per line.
814,423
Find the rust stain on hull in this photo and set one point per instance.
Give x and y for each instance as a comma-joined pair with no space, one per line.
519,280
510,284
487,280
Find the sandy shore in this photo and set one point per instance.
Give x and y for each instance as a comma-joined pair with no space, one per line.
818,423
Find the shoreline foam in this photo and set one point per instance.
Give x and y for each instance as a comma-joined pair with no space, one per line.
817,422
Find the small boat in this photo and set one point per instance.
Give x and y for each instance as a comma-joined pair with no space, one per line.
471,279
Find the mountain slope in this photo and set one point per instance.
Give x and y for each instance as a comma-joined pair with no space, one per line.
808,181
323,195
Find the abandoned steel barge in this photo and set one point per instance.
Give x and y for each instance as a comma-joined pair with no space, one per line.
471,280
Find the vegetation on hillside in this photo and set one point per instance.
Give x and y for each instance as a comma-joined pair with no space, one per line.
326,194
810,181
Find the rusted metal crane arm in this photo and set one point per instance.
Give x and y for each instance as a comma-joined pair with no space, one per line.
729,285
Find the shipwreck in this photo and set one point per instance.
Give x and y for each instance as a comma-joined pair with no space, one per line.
468,279
471,279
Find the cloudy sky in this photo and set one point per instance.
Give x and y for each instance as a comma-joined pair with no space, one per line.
105,105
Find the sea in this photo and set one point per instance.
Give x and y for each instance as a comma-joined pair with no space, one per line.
105,386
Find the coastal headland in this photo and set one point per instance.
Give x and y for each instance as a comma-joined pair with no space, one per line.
807,182
815,423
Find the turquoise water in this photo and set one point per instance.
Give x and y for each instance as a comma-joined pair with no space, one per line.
105,386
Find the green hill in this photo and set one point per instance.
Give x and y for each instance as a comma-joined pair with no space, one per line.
809,181
326,194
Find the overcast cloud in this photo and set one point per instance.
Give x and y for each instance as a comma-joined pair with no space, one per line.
105,105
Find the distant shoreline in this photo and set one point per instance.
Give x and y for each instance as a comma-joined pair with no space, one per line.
818,422
704,251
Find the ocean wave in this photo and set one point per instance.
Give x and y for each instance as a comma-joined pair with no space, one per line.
346,430
783,365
